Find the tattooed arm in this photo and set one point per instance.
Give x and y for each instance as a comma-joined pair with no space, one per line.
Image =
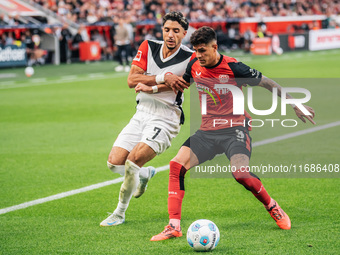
270,84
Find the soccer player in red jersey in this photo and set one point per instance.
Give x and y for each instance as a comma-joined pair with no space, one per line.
210,70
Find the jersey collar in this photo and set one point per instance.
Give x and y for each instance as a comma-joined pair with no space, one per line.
171,56
219,62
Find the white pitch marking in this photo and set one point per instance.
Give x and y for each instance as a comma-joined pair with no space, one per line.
297,133
38,80
13,85
95,75
159,169
7,83
8,75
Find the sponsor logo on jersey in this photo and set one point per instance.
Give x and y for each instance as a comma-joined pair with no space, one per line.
254,73
210,92
224,78
138,56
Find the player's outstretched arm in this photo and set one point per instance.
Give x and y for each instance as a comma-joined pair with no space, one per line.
270,84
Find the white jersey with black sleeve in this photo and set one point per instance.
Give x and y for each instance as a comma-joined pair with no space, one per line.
150,58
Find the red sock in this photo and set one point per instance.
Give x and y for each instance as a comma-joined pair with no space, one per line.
176,189
251,182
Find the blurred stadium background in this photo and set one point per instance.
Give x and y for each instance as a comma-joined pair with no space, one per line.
67,31
57,127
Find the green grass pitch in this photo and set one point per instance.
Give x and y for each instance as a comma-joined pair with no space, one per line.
57,128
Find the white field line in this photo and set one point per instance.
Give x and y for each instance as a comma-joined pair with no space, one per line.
68,193
38,80
65,79
159,169
294,134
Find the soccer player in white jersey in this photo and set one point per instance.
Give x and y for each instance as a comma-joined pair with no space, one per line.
156,67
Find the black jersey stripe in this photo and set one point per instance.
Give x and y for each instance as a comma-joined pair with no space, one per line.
179,104
181,56
187,75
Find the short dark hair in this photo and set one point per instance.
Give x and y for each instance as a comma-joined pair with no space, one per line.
203,35
176,16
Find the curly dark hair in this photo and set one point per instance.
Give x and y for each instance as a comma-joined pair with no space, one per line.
203,35
176,16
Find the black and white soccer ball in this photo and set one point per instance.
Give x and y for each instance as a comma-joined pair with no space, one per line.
203,235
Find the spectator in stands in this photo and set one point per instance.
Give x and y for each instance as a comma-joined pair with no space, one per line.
122,40
100,10
26,38
77,39
98,37
248,39
12,19
84,34
332,24
64,36
3,39
149,35
3,18
234,36
223,41
314,25
9,39
157,31
39,54
261,30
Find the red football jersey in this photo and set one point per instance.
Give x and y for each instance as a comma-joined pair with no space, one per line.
216,100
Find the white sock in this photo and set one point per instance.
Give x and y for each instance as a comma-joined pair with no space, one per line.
121,209
144,172
129,185
119,169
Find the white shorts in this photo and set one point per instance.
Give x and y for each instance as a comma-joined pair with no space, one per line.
153,130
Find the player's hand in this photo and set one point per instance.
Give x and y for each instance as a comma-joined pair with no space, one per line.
301,115
142,87
175,82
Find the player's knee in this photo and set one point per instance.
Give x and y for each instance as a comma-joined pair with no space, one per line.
178,160
247,179
120,169
138,157
241,177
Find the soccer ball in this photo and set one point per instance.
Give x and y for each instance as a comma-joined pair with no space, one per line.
203,235
29,71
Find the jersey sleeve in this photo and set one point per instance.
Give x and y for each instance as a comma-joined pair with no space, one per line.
244,74
141,58
187,76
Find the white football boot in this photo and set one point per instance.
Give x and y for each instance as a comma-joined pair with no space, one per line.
112,220
143,182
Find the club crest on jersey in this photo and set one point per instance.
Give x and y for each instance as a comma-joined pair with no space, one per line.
138,56
198,74
224,78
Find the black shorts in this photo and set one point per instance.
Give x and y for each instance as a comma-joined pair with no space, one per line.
207,144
